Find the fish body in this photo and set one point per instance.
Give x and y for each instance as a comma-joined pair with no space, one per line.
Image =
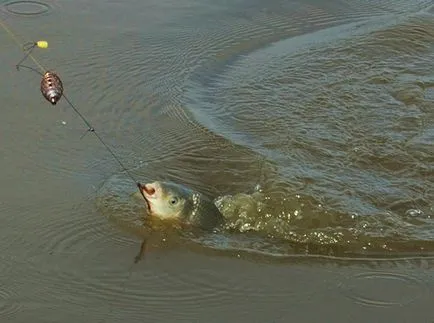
168,200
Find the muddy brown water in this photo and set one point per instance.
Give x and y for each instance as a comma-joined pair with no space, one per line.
310,122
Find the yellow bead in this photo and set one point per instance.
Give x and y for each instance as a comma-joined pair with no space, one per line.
42,44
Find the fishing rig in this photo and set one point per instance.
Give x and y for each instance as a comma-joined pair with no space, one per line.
52,90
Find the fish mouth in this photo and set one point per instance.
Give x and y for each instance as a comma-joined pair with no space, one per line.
142,190
147,191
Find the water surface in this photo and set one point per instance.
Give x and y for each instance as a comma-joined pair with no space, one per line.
310,123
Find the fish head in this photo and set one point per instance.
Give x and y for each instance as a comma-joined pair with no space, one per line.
166,200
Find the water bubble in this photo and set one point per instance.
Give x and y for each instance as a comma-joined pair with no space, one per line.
414,213
246,227
258,188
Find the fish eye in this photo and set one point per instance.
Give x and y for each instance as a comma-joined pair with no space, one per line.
173,200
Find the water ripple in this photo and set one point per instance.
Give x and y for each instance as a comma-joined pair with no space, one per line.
306,105
27,8
397,289
9,302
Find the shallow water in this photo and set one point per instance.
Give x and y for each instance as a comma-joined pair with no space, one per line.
311,125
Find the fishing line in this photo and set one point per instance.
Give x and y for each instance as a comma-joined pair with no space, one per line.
52,89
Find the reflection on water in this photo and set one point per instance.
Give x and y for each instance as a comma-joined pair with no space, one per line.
310,124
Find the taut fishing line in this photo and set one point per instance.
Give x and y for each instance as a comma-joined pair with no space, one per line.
52,89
